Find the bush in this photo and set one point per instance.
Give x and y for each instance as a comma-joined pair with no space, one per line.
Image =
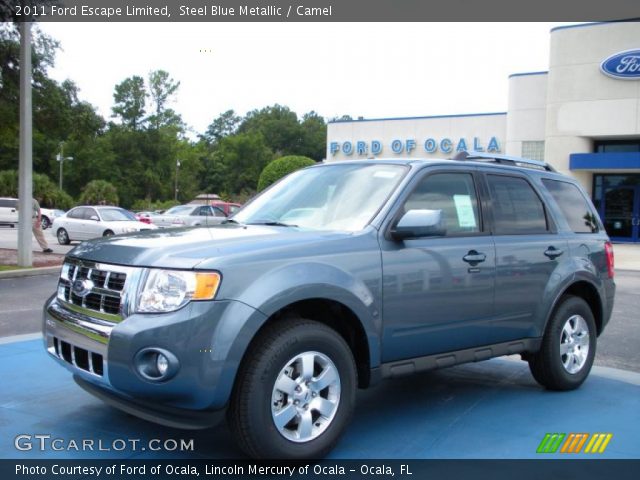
47,192
99,192
280,167
144,205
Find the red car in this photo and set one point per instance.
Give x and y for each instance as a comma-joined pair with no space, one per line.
227,207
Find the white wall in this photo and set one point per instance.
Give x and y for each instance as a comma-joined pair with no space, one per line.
527,110
468,127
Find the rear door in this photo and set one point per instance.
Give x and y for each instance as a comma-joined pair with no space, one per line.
8,210
528,250
438,291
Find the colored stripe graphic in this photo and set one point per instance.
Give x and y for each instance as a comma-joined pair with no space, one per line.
550,443
574,442
598,443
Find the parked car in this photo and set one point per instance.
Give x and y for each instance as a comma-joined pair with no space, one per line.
189,216
8,211
86,222
391,267
145,217
48,215
227,207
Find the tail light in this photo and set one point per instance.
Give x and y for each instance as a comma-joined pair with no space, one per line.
608,249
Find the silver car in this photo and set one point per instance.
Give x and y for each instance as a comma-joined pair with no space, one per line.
189,216
86,222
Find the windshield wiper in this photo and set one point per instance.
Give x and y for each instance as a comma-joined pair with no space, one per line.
273,224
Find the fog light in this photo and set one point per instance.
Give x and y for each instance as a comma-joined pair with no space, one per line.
156,364
162,364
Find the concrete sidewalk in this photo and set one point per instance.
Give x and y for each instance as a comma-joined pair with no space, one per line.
491,409
626,256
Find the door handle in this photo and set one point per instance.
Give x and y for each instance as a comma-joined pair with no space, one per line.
553,252
474,257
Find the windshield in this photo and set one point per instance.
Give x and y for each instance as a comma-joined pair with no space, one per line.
179,210
115,215
331,197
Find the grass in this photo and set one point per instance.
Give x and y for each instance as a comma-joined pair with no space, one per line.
4,268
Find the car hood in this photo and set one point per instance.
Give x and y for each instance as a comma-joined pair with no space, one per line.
200,247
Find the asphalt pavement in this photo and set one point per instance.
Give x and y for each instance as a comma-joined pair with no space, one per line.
9,239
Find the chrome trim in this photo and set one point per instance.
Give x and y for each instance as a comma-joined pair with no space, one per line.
101,289
80,323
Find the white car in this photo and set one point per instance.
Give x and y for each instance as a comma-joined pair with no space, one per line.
48,215
86,222
189,216
9,211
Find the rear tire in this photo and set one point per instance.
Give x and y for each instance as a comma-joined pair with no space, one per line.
295,391
107,233
63,237
45,223
568,346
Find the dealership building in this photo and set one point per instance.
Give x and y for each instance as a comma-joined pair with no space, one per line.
582,116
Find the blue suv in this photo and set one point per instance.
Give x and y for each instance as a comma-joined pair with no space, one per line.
338,276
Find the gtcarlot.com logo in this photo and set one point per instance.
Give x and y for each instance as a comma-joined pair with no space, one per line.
574,443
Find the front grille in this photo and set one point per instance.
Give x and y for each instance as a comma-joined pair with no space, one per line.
79,357
105,289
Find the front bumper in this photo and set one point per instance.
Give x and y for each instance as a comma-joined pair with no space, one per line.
208,339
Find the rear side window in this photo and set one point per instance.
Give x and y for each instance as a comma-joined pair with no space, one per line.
574,206
517,209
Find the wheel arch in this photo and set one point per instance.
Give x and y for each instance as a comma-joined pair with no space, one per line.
587,291
337,316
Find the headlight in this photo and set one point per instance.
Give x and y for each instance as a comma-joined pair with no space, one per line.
169,290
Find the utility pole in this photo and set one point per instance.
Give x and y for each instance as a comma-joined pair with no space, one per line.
60,158
175,191
25,176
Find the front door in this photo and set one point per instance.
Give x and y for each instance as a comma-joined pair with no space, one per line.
620,213
438,291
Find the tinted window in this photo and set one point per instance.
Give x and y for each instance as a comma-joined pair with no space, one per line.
75,213
454,194
217,212
574,206
7,203
516,207
88,213
116,215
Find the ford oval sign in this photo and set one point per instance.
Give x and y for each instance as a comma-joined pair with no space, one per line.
623,65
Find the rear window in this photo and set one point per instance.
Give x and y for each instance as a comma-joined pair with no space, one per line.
517,209
574,206
8,202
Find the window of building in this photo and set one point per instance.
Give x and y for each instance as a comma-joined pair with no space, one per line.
574,206
517,209
618,146
533,150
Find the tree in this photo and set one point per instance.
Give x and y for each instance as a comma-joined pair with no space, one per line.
314,136
161,88
281,167
130,97
279,127
240,159
226,124
99,192
47,192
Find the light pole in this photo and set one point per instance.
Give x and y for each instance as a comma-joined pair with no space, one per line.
175,197
60,158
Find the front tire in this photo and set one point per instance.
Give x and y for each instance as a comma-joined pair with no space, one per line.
568,346
63,237
295,392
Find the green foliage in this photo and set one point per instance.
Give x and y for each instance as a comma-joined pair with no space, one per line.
47,192
226,124
147,205
281,167
99,192
129,101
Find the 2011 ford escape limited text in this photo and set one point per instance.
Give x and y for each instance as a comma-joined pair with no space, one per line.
336,277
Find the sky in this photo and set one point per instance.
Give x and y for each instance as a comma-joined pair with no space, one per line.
373,70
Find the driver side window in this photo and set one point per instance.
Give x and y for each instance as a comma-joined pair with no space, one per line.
454,194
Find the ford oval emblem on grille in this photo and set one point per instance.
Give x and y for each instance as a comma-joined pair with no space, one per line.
82,288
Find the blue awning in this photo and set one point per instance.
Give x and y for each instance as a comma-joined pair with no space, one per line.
604,161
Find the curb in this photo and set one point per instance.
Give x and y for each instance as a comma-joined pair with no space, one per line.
30,272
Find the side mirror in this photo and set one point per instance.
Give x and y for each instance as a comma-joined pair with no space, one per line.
94,218
420,223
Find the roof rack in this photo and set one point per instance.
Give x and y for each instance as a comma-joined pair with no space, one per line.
504,159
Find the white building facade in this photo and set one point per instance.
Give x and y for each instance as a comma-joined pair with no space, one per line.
582,117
